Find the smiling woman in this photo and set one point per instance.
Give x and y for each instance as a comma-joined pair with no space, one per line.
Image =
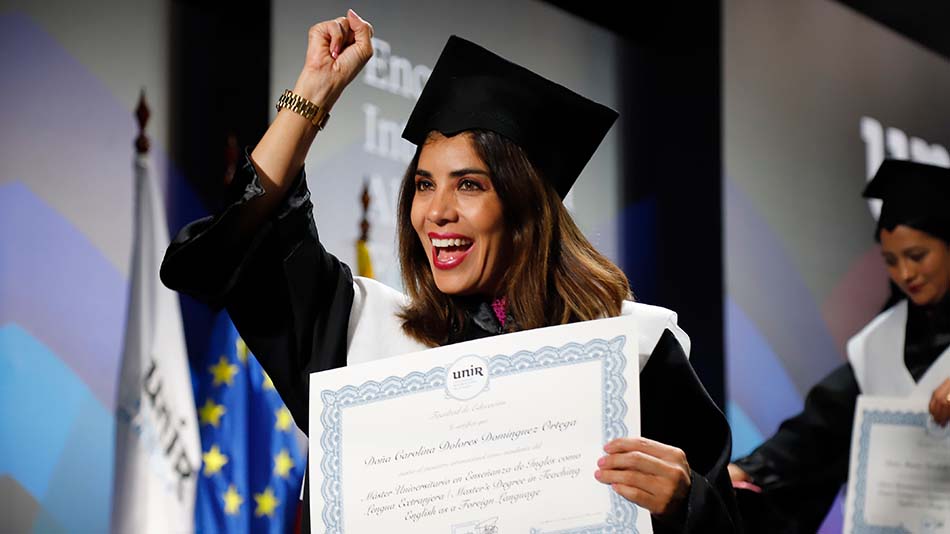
917,262
486,247
456,211
492,226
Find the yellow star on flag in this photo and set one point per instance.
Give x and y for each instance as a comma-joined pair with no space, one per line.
223,371
268,383
213,460
241,347
283,463
284,419
211,413
266,503
232,501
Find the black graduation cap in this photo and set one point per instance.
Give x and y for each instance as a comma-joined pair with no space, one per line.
472,88
909,191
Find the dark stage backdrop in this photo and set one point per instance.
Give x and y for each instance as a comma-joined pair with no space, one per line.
815,95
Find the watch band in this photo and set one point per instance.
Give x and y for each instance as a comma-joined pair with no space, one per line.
317,115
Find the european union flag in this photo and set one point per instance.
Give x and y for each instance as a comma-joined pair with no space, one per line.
252,466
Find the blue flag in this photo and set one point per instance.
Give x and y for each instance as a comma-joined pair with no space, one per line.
252,467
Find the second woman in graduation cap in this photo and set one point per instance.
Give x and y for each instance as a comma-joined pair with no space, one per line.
903,352
486,247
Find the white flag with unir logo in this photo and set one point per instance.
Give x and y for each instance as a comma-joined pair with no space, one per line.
157,449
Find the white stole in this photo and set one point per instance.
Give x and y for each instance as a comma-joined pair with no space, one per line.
876,354
375,330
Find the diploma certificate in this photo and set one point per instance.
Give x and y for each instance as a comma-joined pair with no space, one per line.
491,436
899,480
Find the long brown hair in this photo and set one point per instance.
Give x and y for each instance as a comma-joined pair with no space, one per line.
555,275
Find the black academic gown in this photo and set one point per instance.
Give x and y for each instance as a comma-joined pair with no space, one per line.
291,301
803,466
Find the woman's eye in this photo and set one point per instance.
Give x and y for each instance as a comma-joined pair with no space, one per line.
917,256
469,185
890,261
423,185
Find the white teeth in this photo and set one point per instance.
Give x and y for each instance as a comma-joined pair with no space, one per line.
457,242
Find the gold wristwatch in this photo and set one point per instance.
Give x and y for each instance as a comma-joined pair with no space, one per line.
317,115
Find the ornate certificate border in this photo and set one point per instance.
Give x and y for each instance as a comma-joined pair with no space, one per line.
623,514
877,417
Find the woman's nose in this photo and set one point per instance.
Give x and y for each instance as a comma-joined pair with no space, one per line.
907,271
442,207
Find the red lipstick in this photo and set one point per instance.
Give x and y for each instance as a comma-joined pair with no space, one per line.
449,257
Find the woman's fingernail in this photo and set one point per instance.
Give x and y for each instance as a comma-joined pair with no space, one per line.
597,474
601,461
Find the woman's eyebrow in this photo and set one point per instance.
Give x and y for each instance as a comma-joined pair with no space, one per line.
455,174
464,172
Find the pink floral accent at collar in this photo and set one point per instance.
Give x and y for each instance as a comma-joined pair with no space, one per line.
500,307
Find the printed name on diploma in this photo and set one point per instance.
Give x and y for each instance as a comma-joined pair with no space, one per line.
459,443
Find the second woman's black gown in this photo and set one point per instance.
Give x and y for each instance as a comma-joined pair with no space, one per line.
802,468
